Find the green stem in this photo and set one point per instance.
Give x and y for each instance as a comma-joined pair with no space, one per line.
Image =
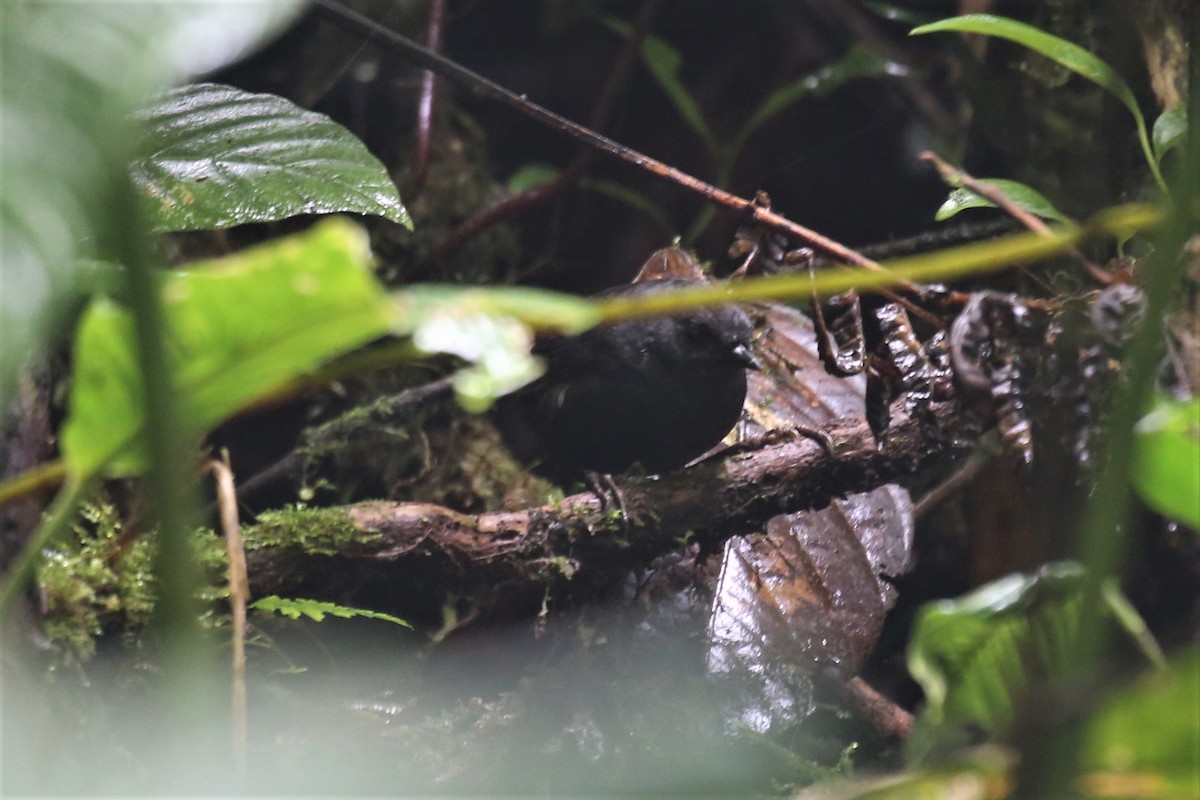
58,520
1144,138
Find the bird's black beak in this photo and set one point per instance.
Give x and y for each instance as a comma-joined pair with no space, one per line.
746,357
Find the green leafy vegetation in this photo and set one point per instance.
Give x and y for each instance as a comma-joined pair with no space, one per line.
1142,741
69,132
318,610
1022,196
250,328
100,578
1067,54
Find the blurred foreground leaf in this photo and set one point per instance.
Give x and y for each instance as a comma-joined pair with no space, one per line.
73,73
976,656
1166,468
242,327
237,328
1145,740
489,328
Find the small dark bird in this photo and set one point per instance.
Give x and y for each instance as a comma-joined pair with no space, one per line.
656,392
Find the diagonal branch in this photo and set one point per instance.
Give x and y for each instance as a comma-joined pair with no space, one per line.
353,21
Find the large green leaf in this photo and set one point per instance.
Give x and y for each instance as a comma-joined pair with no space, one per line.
973,656
1068,54
242,327
217,156
237,329
976,656
72,75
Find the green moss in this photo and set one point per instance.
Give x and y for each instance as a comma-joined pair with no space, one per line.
100,580
319,531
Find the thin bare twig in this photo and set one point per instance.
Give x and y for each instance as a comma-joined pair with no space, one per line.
420,162
239,595
362,25
531,198
885,716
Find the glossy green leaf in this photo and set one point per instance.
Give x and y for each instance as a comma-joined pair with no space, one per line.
1146,736
1170,129
1166,468
1068,54
317,610
216,156
1024,197
73,75
238,328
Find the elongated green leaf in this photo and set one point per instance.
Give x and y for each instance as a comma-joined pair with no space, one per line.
217,156
664,62
858,62
1169,130
238,328
531,176
295,607
1025,197
1166,468
1068,54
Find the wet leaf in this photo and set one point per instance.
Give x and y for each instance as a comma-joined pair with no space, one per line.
1024,197
216,157
812,591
